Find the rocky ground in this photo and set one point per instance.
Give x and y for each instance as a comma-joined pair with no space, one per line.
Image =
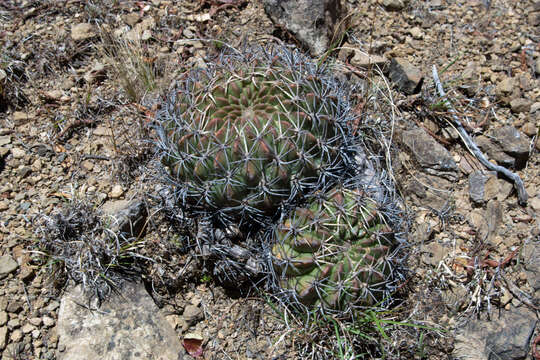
74,111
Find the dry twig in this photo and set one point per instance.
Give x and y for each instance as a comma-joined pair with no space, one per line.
473,148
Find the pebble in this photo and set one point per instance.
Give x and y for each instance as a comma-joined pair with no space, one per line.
82,31
116,192
3,337
7,264
16,335
18,153
3,318
47,321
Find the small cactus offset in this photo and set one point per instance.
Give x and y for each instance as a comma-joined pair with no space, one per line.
335,252
253,132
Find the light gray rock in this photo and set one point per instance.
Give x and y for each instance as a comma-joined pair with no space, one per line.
393,5
427,151
364,60
7,265
483,186
531,263
520,105
313,22
504,337
3,337
406,76
513,143
126,326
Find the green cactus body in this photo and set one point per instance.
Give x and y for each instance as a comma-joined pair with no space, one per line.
334,252
244,138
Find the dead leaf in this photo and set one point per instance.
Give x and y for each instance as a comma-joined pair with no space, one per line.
193,344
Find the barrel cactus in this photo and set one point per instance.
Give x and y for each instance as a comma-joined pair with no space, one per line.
335,252
253,132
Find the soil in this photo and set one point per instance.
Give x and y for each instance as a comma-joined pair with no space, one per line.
74,127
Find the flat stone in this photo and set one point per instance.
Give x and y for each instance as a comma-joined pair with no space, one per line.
363,60
18,153
314,22
427,151
19,116
3,318
520,105
82,31
504,337
513,143
406,76
505,87
529,129
483,186
5,139
7,264
131,19
393,5
531,263
494,152
3,337
128,324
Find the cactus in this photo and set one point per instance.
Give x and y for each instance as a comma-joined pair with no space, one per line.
252,133
335,252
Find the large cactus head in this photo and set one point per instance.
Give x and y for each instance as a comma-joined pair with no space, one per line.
335,252
252,132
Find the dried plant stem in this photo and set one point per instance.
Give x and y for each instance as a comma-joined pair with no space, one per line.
473,148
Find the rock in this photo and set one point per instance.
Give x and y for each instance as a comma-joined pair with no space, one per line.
19,116
127,217
5,139
3,318
131,19
505,337
313,22
531,263
416,33
427,151
393,5
537,66
3,75
7,265
529,129
483,186
520,105
363,60
116,191
18,153
128,324
3,337
406,76
494,152
513,143
82,31
505,87
192,314
16,335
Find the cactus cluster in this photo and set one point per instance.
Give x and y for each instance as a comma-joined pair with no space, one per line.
263,138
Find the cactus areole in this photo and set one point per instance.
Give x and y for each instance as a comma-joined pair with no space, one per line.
253,132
